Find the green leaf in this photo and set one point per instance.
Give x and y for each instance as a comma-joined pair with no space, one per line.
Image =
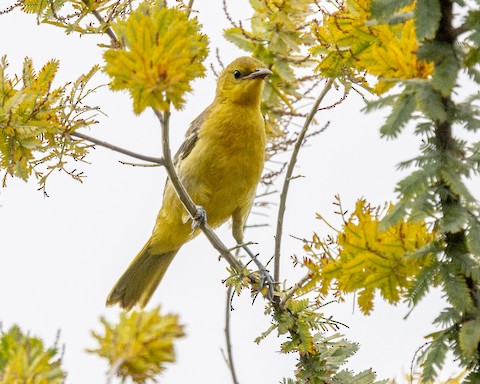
384,8
446,71
456,288
422,283
238,37
473,237
446,64
470,265
427,18
379,103
447,317
430,103
454,182
472,378
400,115
283,69
469,337
455,218
473,23
416,182
434,358
398,212
364,377
423,206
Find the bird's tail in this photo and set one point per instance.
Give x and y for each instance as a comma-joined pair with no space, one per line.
141,279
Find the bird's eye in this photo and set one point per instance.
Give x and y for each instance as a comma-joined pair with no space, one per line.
237,74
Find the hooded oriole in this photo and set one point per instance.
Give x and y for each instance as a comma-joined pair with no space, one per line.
220,164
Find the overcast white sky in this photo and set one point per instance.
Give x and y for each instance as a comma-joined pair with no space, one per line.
60,256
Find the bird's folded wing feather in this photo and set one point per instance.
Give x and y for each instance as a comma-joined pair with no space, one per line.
191,136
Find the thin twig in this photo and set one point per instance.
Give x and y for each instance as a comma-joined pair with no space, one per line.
288,177
156,160
113,370
148,165
189,7
292,290
228,309
108,30
187,202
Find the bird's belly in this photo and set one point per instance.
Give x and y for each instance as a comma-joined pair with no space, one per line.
226,185
225,178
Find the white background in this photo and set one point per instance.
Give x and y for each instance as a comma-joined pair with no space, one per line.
60,256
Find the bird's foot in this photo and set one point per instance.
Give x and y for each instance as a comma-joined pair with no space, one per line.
265,279
199,219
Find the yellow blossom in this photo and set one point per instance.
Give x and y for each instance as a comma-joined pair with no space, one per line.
371,258
163,52
350,45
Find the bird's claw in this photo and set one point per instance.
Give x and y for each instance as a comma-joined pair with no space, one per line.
199,219
265,279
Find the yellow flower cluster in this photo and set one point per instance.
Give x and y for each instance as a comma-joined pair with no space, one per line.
162,53
140,343
350,43
371,258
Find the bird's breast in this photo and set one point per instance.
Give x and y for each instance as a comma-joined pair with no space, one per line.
225,166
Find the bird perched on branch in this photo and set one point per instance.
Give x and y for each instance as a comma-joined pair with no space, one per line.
220,164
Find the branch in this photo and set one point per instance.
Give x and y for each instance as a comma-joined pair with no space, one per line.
108,30
156,160
112,372
292,290
288,177
186,200
189,7
229,357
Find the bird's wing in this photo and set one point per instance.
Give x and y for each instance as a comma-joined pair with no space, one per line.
191,136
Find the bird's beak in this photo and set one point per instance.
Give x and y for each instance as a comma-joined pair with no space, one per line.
259,73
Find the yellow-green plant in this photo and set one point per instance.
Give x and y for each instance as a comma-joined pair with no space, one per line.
25,359
36,121
162,52
139,344
369,258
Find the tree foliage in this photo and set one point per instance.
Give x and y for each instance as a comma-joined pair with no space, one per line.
36,119
25,359
369,258
162,52
436,191
139,345
277,36
351,43
413,56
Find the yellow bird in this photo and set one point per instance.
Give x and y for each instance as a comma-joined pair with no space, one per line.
220,164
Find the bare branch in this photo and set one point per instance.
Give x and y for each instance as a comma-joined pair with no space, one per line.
156,160
108,30
229,357
10,8
112,372
288,177
292,290
227,15
189,7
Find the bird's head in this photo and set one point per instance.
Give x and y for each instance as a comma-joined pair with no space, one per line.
242,81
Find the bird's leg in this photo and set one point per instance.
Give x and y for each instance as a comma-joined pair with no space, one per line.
265,278
199,219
